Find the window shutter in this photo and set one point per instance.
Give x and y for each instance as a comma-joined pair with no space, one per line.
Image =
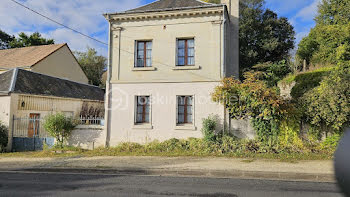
177,109
135,55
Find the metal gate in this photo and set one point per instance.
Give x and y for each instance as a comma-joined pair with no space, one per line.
28,134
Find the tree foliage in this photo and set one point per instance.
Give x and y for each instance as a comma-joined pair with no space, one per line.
263,36
253,99
25,40
272,73
333,12
328,105
5,39
329,41
93,65
59,126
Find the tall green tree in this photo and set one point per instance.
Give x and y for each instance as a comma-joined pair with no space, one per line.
25,40
93,65
263,36
333,12
329,41
5,39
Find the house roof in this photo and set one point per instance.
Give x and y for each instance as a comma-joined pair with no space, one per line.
164,5
28,82
26,56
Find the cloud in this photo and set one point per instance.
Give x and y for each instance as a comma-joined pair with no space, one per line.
299,36
85,16
309,12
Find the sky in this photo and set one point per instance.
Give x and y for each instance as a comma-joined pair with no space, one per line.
86,16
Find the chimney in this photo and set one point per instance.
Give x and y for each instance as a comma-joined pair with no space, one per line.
232,8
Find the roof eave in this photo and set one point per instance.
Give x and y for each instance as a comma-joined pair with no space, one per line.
162,10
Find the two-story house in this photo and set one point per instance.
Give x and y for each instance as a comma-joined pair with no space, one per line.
165,59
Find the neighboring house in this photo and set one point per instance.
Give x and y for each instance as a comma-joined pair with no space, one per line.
26,97
165,60
54,60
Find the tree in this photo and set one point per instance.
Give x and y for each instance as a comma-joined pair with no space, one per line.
263,36
93,65
59,126
328,42
333,12
34,39
5,39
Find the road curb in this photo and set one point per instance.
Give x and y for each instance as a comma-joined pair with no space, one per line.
286,176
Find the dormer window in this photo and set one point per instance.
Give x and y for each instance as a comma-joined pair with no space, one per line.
185,52
143,54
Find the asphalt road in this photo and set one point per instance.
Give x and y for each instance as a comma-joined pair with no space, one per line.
55,184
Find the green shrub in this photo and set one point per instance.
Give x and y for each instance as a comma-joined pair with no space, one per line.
331,143
59,126
3,137
209,129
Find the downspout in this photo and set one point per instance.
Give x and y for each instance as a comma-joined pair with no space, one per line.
223,74
108,87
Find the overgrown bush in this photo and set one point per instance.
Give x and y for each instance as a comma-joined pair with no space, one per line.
3,137
59,126
254,99
327,106
209,129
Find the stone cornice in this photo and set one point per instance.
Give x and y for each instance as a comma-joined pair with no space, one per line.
166,14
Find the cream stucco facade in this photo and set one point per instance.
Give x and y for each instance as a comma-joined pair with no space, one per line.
62,64
213,29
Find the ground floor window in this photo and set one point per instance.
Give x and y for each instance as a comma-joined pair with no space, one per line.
142,109
184,109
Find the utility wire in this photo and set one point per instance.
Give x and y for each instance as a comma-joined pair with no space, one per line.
63,25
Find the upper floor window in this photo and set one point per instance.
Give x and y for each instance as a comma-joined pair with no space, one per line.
185,52
142,109
184,109
144,54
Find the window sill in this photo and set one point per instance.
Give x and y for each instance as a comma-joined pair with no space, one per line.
186,127
143,126
187,68
144,69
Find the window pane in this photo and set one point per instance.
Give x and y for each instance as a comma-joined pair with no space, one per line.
181,61
189,100
189,109
139,109
181,109
149,45
139,118
147,109
189,118
181,44
149,53
146,118
181,100
181,118
181,53
140,54
140,45
190,43
140,63
191,52
190,61
149,63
